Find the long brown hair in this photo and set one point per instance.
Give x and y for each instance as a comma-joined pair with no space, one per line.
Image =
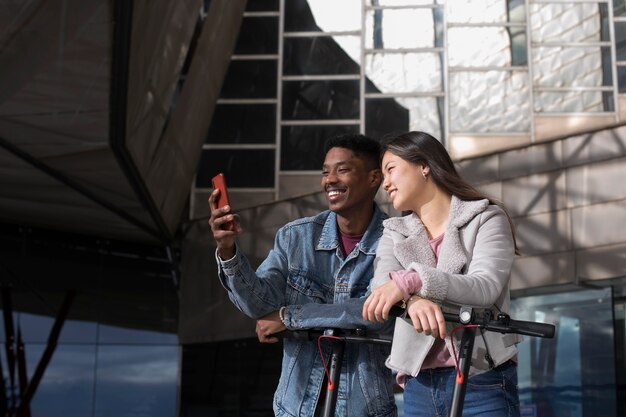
420,148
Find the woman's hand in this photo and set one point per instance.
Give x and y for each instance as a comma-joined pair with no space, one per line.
427,317
380,301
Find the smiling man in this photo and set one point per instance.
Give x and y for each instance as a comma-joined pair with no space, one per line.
317,276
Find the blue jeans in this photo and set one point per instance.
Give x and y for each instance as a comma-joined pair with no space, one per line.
490,394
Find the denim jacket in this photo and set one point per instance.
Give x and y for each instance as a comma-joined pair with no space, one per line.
306,271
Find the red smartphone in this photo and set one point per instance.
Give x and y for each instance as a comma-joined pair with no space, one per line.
219,182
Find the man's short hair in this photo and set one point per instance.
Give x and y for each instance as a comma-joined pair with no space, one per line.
363,147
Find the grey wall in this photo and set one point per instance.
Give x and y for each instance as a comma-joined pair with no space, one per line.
567,199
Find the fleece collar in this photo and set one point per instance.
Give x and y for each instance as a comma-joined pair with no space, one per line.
415,248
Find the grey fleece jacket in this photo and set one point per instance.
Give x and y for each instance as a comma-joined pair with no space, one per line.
473,269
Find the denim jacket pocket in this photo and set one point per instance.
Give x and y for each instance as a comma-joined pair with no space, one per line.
304,286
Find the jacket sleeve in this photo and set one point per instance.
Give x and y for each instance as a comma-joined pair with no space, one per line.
259,293
487,274
344,315
347,314
385,261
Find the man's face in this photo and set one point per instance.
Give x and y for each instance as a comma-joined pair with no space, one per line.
347,181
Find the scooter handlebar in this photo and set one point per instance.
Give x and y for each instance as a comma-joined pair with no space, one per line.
502,323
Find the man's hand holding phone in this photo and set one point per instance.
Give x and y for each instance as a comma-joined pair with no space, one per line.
224,224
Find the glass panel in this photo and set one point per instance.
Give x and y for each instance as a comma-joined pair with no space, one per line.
242,167
243,123
250,79
302,147
570,67
494,101
399,2
136,381
477,11
573,102
621,79
262,5
516,10
519,46
479,47
386,115
605,23
620,349
36,329
314,100
403,72
115,334
321,15
620,40
322,55
573,372
403,28
67,386
258,35
565,22
619,8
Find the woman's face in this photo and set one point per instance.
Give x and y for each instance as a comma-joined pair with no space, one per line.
403,181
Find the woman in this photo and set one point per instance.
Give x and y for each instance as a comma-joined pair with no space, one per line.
455,248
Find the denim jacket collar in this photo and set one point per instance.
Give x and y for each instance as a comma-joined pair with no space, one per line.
329,238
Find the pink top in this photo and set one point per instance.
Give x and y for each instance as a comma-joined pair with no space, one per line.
409,282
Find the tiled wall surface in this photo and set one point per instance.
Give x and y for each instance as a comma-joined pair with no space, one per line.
568,201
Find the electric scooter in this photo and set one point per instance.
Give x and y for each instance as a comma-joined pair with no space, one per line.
469,321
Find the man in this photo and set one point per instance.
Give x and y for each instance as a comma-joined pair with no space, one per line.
316,277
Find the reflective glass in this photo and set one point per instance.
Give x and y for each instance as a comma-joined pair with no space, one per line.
302,147
494,101
565,22
243,123
519,46
67,386
400,2
321,15
262,5
574,102
390,72
620,40
36,329
116,334
573,372
314,100
479,47
621,78
402,28
322,55
570,67
516,10
386,115
605,23
258,35
242,167
136,381
250,79
619,8
477,11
